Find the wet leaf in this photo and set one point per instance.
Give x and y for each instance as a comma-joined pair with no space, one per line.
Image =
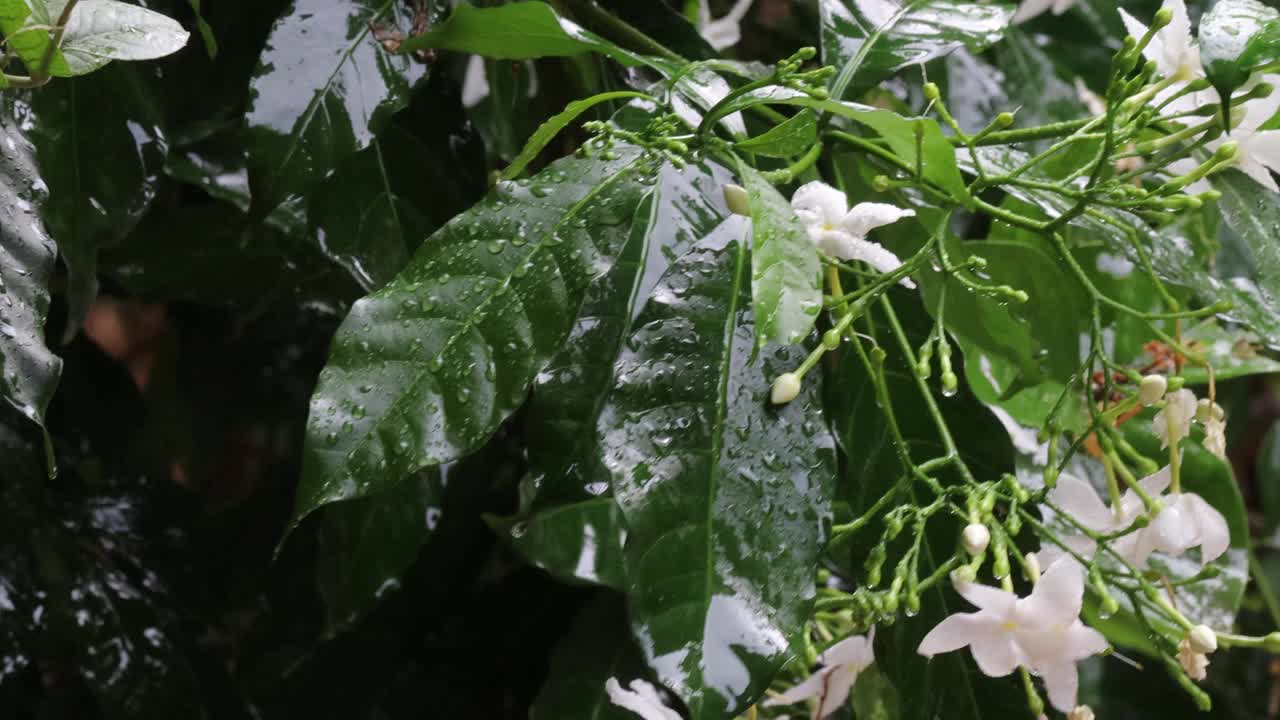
101,147
516,31
792,137
726,497
786,274
578,542
549,129
25,24
28,370
1235,37
367,544
104,30
868,40
324,87
424,370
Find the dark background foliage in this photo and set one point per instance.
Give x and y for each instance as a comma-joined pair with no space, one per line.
148,579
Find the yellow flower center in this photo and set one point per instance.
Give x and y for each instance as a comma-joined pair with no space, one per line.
1010,625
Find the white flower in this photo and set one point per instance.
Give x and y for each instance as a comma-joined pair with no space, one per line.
1185,521
785,389
1176,55
1193,663
1258,151
1031,8
841,232
1174,422
642,699
1215,437
724,32
1041,632
841,664
1152,389
1202,639
975,538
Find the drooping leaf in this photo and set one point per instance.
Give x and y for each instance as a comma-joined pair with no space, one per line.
596,649
789,138
726,497
786,274
554,125
1235,37
868,40
323,89
101,147
28,370
104,30
424,370
574,529
515,31
366,545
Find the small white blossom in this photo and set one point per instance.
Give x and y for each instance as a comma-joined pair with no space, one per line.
1202,639
1031,8
1173,422
1215,437
842,232
841,665
642,699
1176,55
1184,522
1193,663
1152,389
1041,632
975,538
725,32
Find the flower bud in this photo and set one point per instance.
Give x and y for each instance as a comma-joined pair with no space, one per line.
831,339
785,389
1227,150
1031,566
1081,712
1152,389
964,575
1163,17
735,196
1202,639
975,538
1004,119
931,92
1207,410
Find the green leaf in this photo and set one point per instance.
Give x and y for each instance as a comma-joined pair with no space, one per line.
323,88
786,274
726,497
28,370
574,529
596,649
869,40
102,148
936,157
516,31
424,370
554,125
874,697
206,31
1235,37
1253,213
367,544
104,30
794,136
26,26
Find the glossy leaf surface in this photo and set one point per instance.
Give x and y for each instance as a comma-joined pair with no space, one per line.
424,370
1235,37
555,124
868,40
28,369
726,497
104,30
322,90
25,26
786,274
792,137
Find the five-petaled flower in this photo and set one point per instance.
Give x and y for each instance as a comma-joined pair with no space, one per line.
832,683
1041,632
842,232
642,699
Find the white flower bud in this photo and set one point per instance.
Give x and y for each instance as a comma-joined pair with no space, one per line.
1082,712
785,389
1194,664
1202,639
736,197
975,538
1031,565
1207,410
1152,389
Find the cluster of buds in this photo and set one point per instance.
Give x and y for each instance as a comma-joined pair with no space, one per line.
659,136
810,82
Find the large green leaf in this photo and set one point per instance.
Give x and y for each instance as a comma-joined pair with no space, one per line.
597,648
515,31
324,87
792,137
786,275
366,545
869,40
726,497
1253,213
104,30
28,370
575,529
1237,36
424,370
102,148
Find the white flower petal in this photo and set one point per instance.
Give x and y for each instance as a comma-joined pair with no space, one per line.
1061,6
1031,8
1173,422
1077,497
1258,111
1211,527
1175,38
865,217
854,650
1051,554
1056,598
1171,531
817,203
956,631
877,257
1083,641
475,83
995,654
985,597
1257,171
839,684
836,243
1062,682
813,686
642,699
